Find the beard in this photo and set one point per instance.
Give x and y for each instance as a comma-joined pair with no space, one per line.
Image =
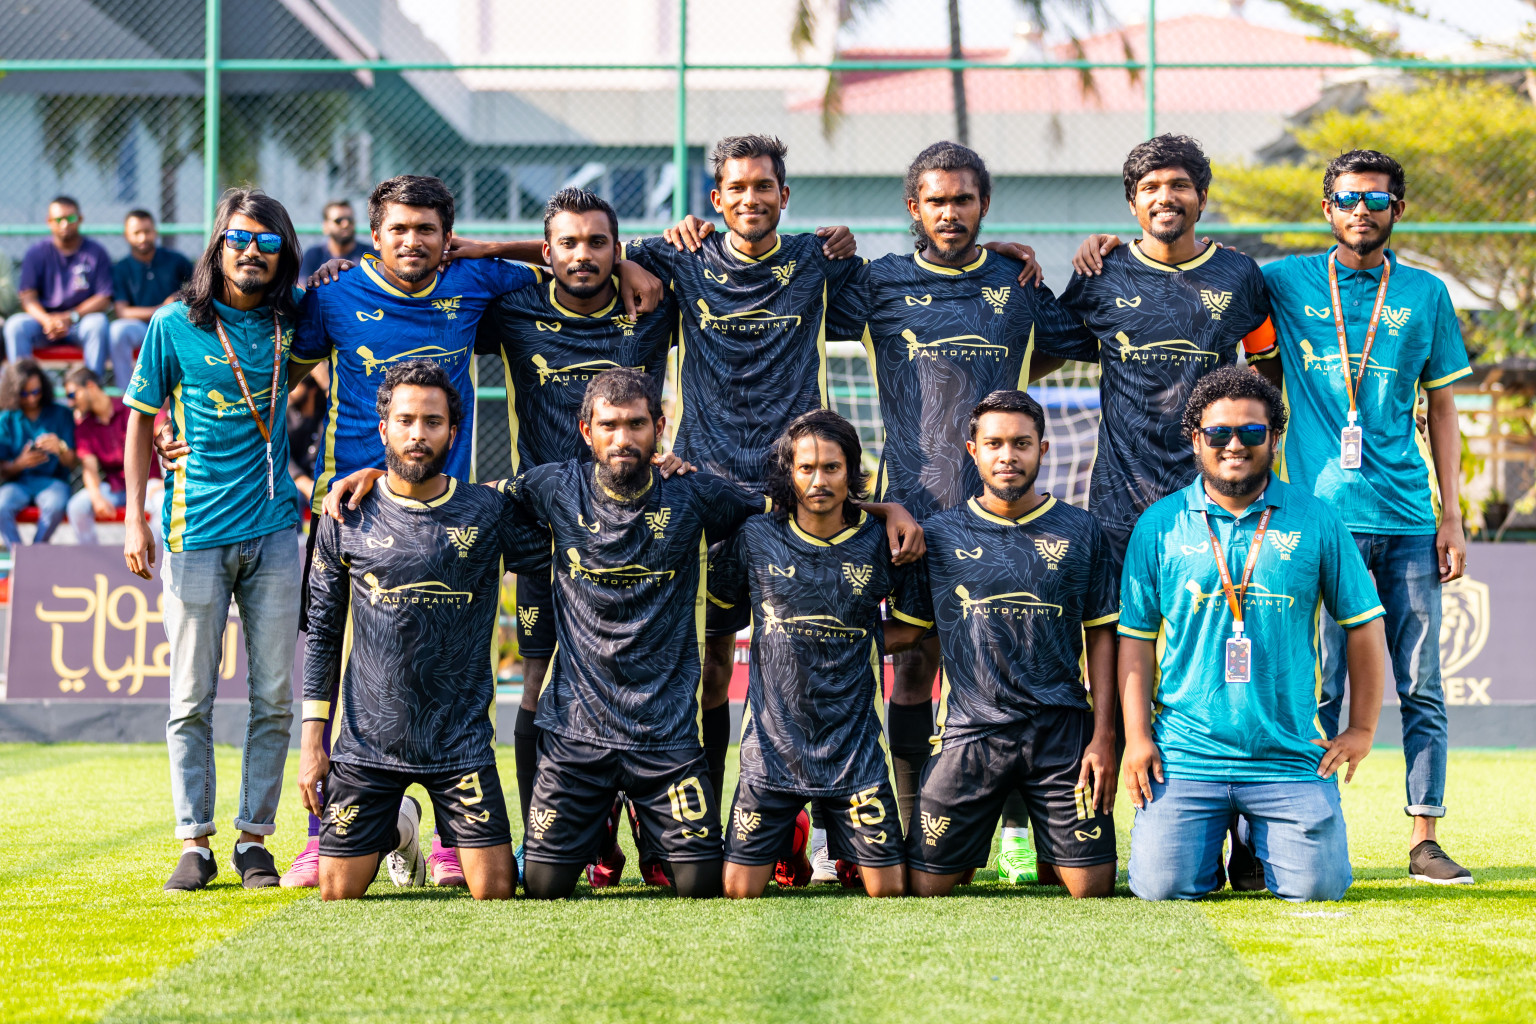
586,291
757,234
1013,494
947,250
1242,487
1172,234
413,471
251,278
413,276
1363,247
626,483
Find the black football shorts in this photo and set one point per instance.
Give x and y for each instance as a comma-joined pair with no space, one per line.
362,805
535,615
862,826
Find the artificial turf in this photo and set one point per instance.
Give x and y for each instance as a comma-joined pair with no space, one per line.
86,933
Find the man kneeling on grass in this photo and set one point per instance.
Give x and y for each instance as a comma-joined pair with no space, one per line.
1236,728
404,594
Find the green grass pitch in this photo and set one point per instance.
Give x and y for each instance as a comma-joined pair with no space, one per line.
86,934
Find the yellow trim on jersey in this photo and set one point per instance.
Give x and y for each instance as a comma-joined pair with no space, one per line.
1102,620
341,672
1136,634
491,711
937,739
398,499
1173,268
506,369
712,599
1035,513
174,539
474,421
746,718
1440,382
1355,620
586,316
952,271
700,600
317,709
902,616
136,404
836,538
1029,357
877,669
373,275
778,241
649,482
1282,472
323,482
821,350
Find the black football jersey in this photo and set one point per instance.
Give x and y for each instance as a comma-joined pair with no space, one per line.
403,599
940,339
1010,599
1160,328
549,353
815,690
752,351
629,599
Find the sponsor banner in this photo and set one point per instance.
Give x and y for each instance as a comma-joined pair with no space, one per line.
84,627
1487,645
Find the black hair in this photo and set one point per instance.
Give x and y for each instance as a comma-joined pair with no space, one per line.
1163,152
949,156
207,282
17,374
828,426
328,207
579,200
620,386
418,373
62,200
1009,401
1232,382
81,375
138,214
411,190
746,147
1366,161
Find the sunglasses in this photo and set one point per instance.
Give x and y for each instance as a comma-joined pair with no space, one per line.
70,394
68,218
1248,436
1374,201
31,392
268,242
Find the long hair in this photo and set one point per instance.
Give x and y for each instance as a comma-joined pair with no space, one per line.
15,377
207,282
827,426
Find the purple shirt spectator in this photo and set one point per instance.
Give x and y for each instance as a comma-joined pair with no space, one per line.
105,442
63,282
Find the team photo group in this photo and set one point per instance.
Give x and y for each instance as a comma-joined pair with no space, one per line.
1273,508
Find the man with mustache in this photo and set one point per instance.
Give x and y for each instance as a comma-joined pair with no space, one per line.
1226,578
403,605
1361,334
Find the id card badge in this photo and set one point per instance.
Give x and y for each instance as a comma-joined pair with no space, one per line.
1351,441
1239,659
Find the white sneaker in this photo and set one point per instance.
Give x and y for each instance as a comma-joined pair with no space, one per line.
405,863
823,867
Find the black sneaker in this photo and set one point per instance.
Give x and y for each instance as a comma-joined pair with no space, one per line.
255,867
193,871
1428,863
1243,868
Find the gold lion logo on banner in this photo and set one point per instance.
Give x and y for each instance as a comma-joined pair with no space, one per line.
1465,615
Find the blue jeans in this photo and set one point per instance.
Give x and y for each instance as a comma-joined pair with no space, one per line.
1407,573
48,493
1296,831
262,575
127,337
93,334
82,516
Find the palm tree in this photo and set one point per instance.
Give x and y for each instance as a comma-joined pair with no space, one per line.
1043,14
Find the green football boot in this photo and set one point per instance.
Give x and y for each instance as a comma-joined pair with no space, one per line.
1016,862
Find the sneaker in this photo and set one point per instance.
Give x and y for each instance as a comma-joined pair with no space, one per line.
1016,863
193,871
848,874
795,870
1428,863
1243,869
405,863
255,866
823,867
651,871
304,872
609,866
443,865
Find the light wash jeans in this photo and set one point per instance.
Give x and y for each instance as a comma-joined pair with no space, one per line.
1296,830
262,575
48,493
127,337
93,334
83,517
1407,573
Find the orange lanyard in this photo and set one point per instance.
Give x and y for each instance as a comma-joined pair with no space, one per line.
1234,599
245,389
1352,384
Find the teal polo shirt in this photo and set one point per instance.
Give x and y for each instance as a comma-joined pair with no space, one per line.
1210,730
1418,345
218,494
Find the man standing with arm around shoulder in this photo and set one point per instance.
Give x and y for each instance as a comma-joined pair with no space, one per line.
219,356
1354,444
1232,571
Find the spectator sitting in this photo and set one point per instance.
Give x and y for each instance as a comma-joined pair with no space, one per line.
37,438
143,281
9,303
307,407
340,227
65,288
101,427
